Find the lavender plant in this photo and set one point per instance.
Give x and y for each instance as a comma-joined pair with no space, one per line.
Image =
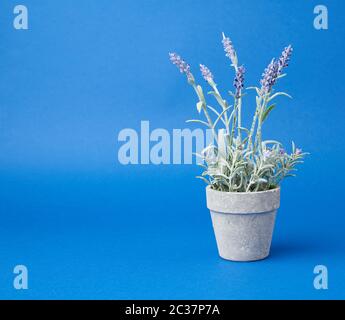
238,160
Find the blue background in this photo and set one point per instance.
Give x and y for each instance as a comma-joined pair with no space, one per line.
87,226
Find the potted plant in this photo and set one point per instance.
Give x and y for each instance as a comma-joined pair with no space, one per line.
243,172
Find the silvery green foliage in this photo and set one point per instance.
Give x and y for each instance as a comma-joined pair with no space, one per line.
238,160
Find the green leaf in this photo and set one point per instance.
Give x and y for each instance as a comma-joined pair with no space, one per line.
203,179
245,140
279,94
254,88
258,101
213,110
202,165
220,175
216,112
267,112
200,93
231,114
199,106
244,129
231,94
267,166
220,116
198,121
198,87
266,142
219,99
198,155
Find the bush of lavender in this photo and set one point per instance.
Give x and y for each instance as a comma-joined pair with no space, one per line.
238,160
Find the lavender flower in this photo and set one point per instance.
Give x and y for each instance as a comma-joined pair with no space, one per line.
206,73
284,59
239,81
229,50
269,77
274,70
182,65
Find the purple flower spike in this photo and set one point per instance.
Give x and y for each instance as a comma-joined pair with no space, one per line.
229,50
274,70
206,73
181,64
284,58
269,77
239,81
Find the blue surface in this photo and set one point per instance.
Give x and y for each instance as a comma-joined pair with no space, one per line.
89,227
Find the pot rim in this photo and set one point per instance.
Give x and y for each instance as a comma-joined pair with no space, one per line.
242,193
243,202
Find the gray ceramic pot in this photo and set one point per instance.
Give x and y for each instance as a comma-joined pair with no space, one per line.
243,222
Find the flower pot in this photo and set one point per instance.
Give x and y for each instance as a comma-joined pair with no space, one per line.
243,222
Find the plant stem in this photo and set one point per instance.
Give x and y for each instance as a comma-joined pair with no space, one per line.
209,120
214,86
258,138
239,120
234,119
250,137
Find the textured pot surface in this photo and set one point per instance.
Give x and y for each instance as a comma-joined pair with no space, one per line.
243,222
